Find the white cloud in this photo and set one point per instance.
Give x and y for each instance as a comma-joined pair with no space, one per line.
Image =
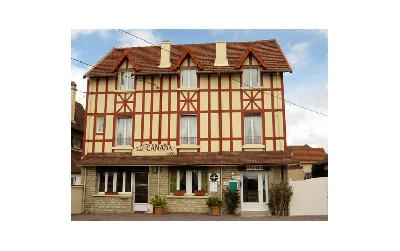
77,76
79,32
298,55
126,40
305,127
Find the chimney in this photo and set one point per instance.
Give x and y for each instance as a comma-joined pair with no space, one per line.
73,97
165,61
220,54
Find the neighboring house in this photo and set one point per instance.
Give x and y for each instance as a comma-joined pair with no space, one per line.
307,156
77,120
177,120
320,169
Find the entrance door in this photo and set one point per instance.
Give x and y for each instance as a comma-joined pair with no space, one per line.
140,192
254,195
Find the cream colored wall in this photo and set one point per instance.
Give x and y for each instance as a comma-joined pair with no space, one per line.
102,99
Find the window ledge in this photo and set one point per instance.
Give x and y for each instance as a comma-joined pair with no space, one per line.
253,146
116,195
253,88
188,89
124,91
188,197
188,147
122,147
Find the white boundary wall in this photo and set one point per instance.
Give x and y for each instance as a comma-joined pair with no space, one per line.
310,197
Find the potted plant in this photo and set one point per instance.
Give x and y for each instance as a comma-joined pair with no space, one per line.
158,203
179,192
111,193
232,200
214,203
199,192
280,194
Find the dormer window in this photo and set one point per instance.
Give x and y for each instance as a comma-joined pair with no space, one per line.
188,78
251,77
126,81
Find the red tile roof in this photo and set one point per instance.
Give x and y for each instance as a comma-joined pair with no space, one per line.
147,59
307,154
75,157
202,158
79,117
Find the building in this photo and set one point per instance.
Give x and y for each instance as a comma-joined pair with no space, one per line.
307,156
185,122
77,120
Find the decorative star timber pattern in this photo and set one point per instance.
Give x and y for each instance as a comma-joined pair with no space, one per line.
253,98
189,100
124,102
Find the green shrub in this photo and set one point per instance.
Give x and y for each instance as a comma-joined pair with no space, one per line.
214,201
232,200
280,194
158,201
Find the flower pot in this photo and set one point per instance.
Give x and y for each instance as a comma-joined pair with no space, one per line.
215,211
199,193
158,210
179,193
111,193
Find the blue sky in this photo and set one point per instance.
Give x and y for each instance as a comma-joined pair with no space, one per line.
306,50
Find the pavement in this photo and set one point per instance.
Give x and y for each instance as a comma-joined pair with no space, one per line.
189,217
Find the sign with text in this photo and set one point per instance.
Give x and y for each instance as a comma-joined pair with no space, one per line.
154,150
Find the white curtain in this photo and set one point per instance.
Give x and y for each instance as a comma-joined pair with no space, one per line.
252,127
188,130
124,131
246,77
193,79
254,77
257,129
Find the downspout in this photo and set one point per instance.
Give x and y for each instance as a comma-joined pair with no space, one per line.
84,191
158,180
220,183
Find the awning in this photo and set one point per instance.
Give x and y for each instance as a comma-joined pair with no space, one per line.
277,158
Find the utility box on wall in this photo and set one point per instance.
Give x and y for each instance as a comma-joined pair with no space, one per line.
233,185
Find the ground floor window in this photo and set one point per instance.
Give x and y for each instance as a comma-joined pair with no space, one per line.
115,182
188,181
76,180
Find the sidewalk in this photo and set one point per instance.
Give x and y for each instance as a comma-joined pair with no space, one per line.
189,217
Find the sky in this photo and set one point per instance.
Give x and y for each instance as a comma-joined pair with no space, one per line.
306,50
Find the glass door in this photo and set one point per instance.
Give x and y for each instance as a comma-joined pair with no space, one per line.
254,191
141,192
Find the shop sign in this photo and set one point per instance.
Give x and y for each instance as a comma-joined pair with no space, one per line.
154,150
213,177
213,186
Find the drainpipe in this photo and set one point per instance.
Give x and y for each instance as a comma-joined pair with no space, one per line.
158,180
84,191
220,183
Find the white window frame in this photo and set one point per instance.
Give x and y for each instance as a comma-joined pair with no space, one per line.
129,79
189,130
188,180
252,129
115,176
250,83
190,84
124,136
100,129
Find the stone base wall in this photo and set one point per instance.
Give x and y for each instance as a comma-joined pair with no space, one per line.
184,204
112,204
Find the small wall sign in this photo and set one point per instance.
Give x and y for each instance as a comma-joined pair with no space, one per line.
154,150
213,177
213,187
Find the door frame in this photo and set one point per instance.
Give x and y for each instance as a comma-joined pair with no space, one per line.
260,205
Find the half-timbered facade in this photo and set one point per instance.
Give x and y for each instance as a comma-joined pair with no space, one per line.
164,119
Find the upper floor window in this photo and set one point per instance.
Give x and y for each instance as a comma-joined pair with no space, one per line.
252,129
100,124
76,142
188,78
126,81
188,130
251,77
124,131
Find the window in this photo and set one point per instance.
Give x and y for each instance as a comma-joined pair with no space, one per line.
126,81
99,124
124,131
251,77
252,129
188,180
76,180
188,78
188,130
115,182
76,142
